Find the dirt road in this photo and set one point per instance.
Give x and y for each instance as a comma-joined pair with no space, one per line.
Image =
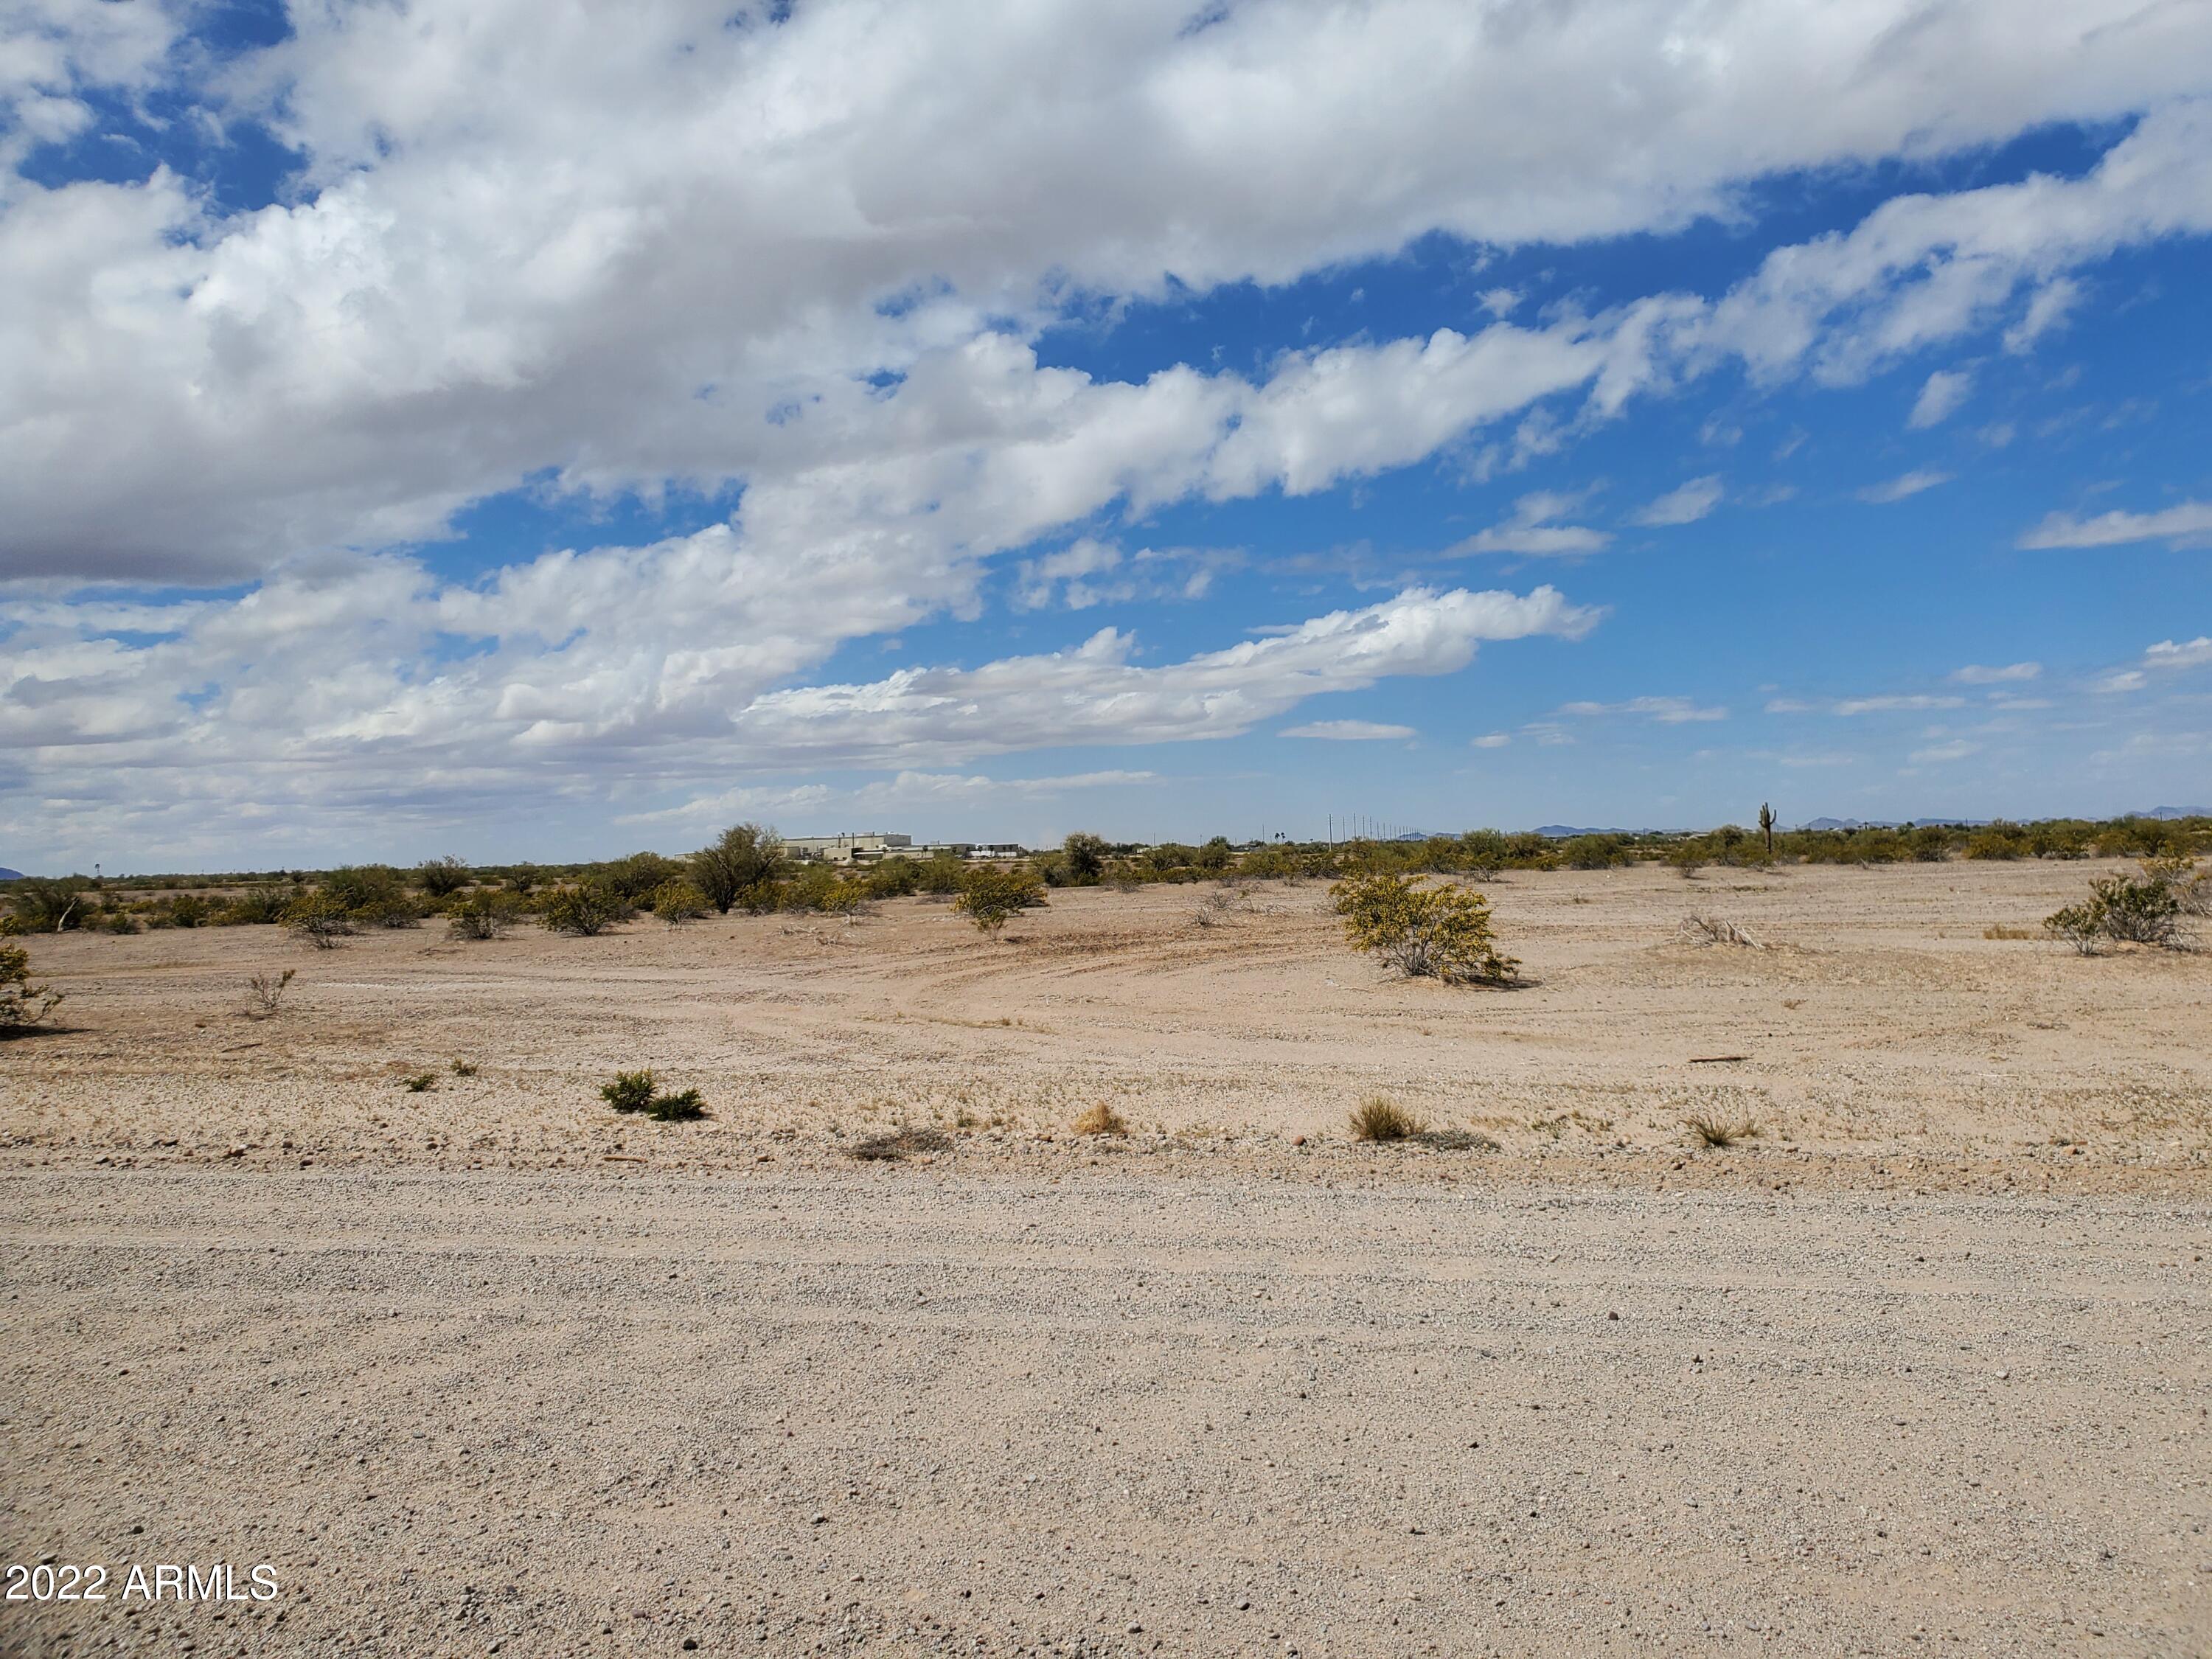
1133,1409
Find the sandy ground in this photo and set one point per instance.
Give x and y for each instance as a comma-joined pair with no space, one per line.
1922,1367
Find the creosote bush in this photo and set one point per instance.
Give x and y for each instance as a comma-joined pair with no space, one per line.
319,919
419,1083
991,898
23,1005
2123,910
678,901
1379,1118
582,912
442,878
479,916
1424,932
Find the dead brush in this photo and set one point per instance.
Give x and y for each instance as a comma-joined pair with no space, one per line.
1215,908
896,1144
1719,1133
1102,1120
1379,1118
264,995
1699,928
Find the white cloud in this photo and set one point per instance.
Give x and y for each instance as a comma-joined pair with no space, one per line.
1892,705
1492,740
1684,504
1667,711
1350,731
2008,673
2047,309
1897,488
1937,754
2180,653
1531,530
2185,525
1940,397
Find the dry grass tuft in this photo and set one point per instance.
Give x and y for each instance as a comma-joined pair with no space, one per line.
902,1142
1717,1133
1379,1118
1102,1120
1999,930
1698,928
265,993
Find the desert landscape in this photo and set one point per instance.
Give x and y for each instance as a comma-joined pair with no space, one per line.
1903,1350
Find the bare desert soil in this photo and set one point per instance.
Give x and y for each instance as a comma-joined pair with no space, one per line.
1921,1367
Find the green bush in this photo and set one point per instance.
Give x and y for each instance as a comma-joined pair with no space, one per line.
630,1091
639,875
741,868
1424,932
1083,859
678,901
47,904
23,1005
894,877
485,915
585,911
942,873
639,1091
442,878
819,888
256,907
2122,909
991,898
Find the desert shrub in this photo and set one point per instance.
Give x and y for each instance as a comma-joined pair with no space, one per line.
681,1106
1708,1130
2122,909
1424,932
584,911
189,910
23,1005
639,875
1213,907
256,907
1931,844
991,898
678,901
1592,852
630,1092
360,886
319,919
1998,840
740,869
942,874
442,878
265,993
894,1144
1380,1118
112,920
417,1083
2191,887
1083,859
819,888
1215,856
894,877
47,904
481,916
1102,1120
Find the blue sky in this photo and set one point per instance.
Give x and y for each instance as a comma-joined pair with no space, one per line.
467,428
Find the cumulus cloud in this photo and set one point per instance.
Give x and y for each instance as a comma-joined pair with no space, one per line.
2186,524
1684,504
1940,397
1532,529
2008,673
1350,731
1904,485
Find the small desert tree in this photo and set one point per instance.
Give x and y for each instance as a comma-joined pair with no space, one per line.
23,1005
1084,859
1424,932
741,867
991,898
38,904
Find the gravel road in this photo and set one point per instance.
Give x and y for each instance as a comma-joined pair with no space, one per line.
1122,1410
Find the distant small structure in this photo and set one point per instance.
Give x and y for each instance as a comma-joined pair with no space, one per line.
872,847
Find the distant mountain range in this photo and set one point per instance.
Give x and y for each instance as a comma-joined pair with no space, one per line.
7,874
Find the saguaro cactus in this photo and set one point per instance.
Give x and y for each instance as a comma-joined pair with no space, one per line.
1767,826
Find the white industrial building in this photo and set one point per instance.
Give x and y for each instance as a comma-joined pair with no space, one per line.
873,847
